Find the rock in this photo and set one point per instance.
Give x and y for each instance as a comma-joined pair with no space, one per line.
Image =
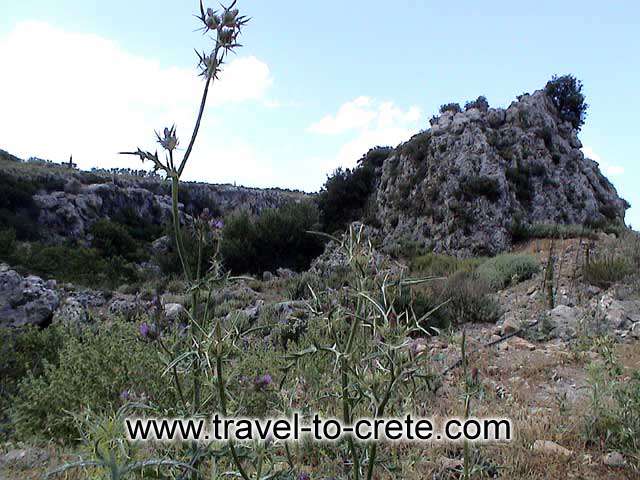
174,312
635,330
456,187
285,273
450,463
267,276
72,312
510,324
518,343
161,246
126,306
563,321
551,448
26,300
614,459
24,458
69,213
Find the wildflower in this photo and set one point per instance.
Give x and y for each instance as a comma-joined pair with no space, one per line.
211,20
229,18
208,64
169,141
217,224
304,476
261,382
149,331
125,395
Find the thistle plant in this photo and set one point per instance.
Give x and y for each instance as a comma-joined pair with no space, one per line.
198,373
373,346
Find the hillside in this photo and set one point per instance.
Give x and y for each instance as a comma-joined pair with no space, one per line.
479,177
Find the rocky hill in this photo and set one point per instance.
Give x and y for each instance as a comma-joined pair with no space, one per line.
468,183
65,202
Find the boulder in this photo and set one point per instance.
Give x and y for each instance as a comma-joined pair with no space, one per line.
564,321
26,300
551,448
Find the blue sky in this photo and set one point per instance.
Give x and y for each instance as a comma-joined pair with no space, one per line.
316,84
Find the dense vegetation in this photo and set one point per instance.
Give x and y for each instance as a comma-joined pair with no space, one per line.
346,192
566,94
278,238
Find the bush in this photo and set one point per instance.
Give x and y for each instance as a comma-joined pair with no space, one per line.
566,94
480,103
25,352
613,417
450,107
521,180
139,228
521,232
92,371
278,238
345,193
7,242
488,187
506,269
72,263
18,210
607,270
113,240
442,265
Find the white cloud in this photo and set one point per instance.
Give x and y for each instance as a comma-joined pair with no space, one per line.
76,93
372,123
608,169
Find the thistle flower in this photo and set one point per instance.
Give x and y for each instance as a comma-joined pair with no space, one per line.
125,395
304,476
217,224
209,64
149,331
211,20
229,18
169,140
262,382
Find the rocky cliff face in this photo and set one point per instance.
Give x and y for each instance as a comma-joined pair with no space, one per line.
461,186
68,201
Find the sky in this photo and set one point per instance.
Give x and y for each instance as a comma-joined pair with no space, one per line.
315,85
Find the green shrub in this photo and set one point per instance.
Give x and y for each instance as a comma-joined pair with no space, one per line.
450,107
521,180
141,229
506,269
25,352
521,232
72,263
7,242
606,270
278,238
92,371
113,240
488,187
469,300
441,265
18,210
566,94
480,103
344,195
613,417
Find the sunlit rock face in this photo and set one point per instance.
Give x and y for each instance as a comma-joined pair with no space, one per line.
462,186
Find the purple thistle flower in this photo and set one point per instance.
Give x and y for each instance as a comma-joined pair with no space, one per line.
304,476
217,224
149,331
144,330
125,395
263,381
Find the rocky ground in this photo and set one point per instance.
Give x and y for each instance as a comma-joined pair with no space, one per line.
533,365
